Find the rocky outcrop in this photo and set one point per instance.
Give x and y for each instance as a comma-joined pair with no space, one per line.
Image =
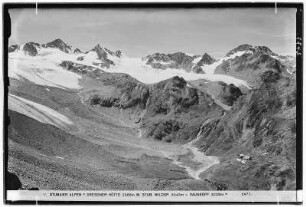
30,48
178,60
206,60
181,59
198,69
224,94
13,48
168,111
118,53
250,48
251,65
175,111
58,43
261,124
131,95
80,68
229,93
102,54
243,47
77,51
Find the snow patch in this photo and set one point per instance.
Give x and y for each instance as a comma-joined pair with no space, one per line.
146,74
196,60
237,54
37,111
163,62
43,69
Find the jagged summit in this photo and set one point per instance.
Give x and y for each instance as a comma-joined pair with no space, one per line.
102,54
58,43
31,48
243,47
252,49
175,81
206,60
77,51
265,49
97,47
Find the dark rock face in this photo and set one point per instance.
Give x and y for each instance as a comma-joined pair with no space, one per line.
265,50
81,58
256,49
30,48
229,94
197,69
102,54
250,66
129,94
270,76
206,60
58,43
165,130
118,53
77,51
178,60
13,48
175,111
243,47
12,181
79,68
158,57
181,59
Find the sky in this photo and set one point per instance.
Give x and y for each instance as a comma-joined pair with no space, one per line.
139,32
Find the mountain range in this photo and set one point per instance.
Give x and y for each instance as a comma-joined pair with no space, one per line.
102,120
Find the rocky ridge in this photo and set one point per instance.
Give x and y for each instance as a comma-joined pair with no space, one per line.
178,60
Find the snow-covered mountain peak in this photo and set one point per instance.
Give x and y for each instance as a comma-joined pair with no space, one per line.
246,48
97,48
240,48
206,60
264,49
60,44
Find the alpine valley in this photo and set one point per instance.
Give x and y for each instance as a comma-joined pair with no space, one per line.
101,120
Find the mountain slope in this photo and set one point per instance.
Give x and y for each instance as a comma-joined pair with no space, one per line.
102,120
253,62
260,125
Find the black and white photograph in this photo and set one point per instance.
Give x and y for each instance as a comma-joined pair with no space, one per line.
152,102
